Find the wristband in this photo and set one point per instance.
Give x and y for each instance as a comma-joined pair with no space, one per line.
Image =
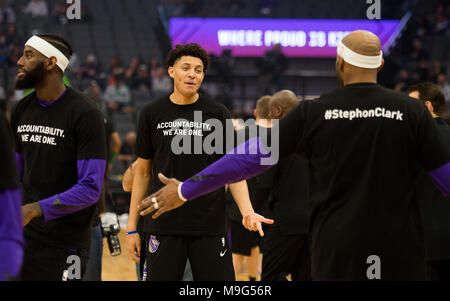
180,195
132,232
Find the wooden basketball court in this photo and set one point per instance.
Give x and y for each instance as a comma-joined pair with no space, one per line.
118,268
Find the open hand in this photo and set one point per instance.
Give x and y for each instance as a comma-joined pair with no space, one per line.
252,222
163,200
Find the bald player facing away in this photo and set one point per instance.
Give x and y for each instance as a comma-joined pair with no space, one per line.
281,103
285,243
365,145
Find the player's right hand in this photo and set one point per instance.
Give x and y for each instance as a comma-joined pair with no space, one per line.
252,222
133,245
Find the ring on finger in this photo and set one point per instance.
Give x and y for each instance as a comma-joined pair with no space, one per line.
155,203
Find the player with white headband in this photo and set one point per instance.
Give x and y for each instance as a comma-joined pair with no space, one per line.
61,156
365,144
359,60
49,51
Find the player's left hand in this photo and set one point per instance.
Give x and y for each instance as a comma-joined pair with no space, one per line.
30,211
166,198
252,222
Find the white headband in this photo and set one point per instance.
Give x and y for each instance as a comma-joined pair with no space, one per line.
48,50
359,60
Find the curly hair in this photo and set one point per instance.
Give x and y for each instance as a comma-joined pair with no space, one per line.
192,49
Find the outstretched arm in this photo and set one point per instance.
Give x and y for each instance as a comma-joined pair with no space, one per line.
245,161
242,163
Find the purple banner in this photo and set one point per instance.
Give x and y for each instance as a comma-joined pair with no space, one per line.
253,37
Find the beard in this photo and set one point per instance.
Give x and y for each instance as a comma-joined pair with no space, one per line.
32,78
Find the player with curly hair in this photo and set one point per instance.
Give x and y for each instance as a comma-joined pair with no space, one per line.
198,231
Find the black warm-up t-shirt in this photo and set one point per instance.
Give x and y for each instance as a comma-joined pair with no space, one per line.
52,139
163,124
365,145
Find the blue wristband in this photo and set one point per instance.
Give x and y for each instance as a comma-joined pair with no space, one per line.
132,232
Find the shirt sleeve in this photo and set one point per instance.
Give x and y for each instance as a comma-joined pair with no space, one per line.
11,215
82,195
13,251
144,148
11,237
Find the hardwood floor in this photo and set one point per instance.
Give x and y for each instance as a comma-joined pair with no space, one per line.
118,268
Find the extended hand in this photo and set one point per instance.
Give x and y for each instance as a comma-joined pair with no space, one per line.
163,200
252,222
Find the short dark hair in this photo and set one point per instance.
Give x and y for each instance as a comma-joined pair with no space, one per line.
432,93
192,49
59,42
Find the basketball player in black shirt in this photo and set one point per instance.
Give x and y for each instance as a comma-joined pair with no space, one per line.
171,134
60,150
